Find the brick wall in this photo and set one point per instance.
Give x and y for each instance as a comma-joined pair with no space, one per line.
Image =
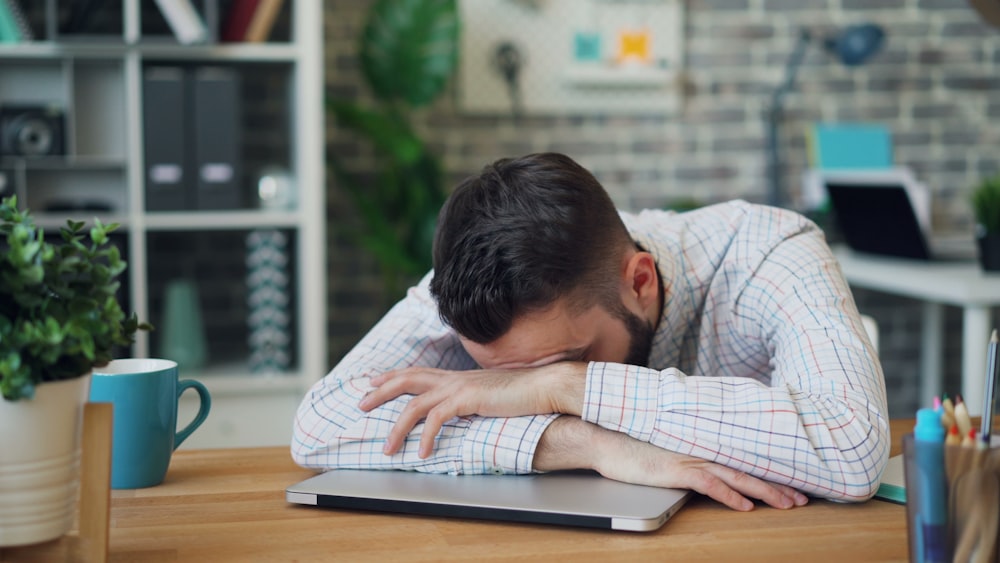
936,86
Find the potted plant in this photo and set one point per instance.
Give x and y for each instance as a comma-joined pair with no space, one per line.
59,318
986,207
408,52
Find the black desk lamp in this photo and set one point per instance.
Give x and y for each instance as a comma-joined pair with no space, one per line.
852,47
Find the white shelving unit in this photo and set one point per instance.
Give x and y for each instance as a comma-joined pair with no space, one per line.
97,82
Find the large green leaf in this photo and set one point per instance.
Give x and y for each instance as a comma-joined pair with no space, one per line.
408,52
389,134
409,49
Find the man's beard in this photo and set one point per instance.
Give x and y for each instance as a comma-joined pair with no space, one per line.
640,338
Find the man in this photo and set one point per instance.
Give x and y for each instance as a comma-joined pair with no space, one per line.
718,350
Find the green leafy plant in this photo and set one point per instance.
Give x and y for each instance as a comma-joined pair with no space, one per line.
986,204
58,313
408,52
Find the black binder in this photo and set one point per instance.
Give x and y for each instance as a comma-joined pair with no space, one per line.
168,175
216,137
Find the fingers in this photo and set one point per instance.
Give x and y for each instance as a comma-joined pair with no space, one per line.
402,428
732,487
392,384
419,408
429,403
716,488
433,422
797,498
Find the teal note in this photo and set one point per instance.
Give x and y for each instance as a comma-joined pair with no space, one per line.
9,33
840,146
587,46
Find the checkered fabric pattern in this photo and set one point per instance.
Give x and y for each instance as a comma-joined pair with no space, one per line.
760,362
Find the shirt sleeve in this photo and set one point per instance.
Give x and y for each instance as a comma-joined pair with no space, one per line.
821,423
331,432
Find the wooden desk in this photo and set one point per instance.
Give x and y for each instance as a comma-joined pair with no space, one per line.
229,505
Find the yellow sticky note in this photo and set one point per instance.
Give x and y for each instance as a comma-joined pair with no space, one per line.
634,46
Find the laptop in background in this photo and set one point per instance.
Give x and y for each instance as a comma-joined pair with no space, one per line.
568,498
884,213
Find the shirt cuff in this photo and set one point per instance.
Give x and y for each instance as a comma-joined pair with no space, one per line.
503,445
622,398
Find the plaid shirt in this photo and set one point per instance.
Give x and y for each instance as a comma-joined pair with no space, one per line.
759,362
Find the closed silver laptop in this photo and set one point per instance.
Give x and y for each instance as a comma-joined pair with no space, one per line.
569,498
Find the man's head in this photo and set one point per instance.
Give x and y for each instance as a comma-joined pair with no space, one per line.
533,247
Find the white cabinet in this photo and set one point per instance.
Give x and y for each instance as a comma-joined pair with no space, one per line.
88,89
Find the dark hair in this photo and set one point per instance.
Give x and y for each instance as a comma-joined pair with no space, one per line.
523,233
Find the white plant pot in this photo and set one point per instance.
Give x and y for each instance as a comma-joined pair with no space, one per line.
40,462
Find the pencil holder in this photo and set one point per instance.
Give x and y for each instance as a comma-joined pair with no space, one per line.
952,502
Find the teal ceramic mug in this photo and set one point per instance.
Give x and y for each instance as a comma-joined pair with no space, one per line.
144,393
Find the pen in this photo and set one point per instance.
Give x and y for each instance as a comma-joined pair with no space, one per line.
932,507
970,439
991,372
962,416
948,412
954,436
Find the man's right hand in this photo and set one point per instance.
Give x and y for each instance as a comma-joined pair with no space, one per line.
571,443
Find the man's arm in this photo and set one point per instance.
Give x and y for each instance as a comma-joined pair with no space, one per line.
331,431
820,425
570,443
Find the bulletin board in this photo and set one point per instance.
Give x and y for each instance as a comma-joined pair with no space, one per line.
572,56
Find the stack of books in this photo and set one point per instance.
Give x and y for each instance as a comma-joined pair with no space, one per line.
249,21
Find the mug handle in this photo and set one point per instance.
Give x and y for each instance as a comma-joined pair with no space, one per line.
203,408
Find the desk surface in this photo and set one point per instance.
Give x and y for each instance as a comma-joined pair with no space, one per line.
228,505
960,283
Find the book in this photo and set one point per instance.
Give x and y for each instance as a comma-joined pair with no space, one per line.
263,20
168,177
184,21
893,485
20,20
237,22
215,120
9,32
82,14
847,145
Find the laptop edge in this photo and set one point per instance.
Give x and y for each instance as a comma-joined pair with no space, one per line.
467,502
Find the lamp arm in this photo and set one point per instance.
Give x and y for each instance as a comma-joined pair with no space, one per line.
773,113
791,70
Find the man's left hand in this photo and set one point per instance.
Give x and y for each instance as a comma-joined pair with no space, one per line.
440,395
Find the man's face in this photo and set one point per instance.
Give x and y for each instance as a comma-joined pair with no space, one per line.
556,334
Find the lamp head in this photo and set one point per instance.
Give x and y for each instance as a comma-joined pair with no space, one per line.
856,44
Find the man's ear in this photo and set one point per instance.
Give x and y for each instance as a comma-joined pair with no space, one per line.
641,282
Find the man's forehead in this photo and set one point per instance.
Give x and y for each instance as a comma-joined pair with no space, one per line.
537,338
488,356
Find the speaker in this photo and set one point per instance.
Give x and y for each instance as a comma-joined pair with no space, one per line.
32,130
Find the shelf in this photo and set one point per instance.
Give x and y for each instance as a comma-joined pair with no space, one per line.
617,76
63,163
234,381
52,222
220,220
246,52
98,83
